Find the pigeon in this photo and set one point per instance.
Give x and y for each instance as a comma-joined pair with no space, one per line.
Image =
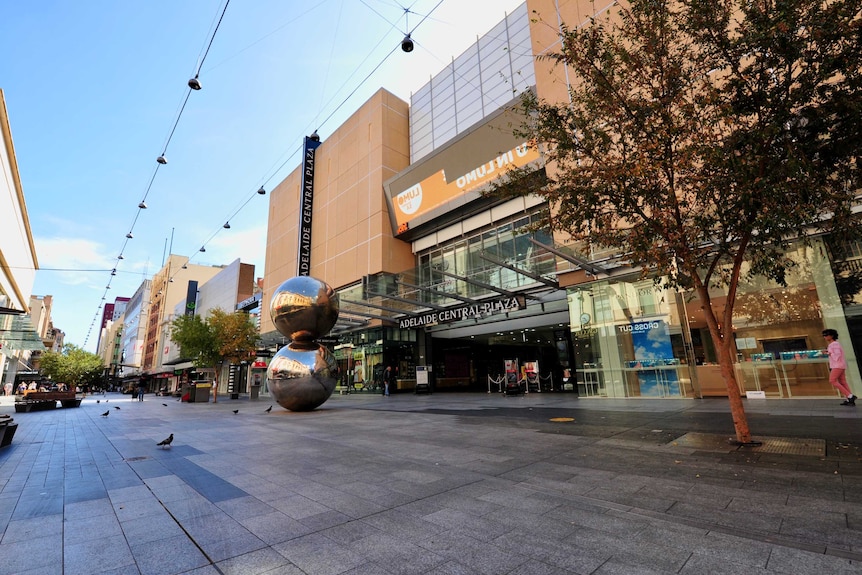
235,411
268,409
116,407
106,414
166,442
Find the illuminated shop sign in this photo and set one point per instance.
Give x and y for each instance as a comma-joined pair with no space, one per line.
436,189
468,311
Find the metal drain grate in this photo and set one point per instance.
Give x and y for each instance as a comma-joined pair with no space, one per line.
792,446
779,445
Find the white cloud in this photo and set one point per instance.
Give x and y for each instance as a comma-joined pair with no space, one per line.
59,253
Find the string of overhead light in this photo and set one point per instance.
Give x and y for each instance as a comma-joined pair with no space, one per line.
194,84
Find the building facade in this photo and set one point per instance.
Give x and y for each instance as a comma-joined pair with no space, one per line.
18,264
466,290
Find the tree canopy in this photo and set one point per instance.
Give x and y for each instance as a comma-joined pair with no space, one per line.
73,366
701,137
220,337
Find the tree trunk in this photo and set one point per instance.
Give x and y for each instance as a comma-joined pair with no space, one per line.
737,410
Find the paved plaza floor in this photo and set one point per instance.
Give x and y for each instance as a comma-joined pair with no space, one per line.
433,484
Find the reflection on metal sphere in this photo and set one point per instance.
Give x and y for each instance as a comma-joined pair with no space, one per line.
302,374
304,308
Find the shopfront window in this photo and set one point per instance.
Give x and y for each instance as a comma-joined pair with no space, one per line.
637,339
628,340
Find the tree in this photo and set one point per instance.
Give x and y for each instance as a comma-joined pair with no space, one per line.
73,366
222,337
701,137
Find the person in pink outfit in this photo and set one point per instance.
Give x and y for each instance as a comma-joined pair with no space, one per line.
838,366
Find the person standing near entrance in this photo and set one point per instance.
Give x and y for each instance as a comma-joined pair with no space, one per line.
388,379
140,393
838,366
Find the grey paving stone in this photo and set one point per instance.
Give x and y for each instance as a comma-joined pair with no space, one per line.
262,561
404,525
34,527
95,555
31,554
237,544
396,555
167,556
319,555
478,555
244,507
789,560
150,528
484,528
325,520
86,509
95,527
190,507
144,507
275,527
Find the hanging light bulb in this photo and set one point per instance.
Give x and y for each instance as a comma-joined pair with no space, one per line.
185,267
226,225
114,272
261,191
194,83
120,257
162,159
171,280
129,235
203,249
142,206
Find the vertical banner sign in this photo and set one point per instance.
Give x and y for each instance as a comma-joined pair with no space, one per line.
306,200
191,297
233,374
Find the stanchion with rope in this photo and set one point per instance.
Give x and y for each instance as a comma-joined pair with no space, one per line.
497,382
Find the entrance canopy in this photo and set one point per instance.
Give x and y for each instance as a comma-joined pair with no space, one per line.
18,334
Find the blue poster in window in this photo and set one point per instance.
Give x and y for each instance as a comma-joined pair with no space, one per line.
654,358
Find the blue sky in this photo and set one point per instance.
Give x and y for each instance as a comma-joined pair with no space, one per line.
94,88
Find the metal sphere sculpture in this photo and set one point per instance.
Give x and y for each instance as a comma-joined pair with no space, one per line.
302,375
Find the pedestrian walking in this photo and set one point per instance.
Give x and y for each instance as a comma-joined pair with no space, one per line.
838,366
141,393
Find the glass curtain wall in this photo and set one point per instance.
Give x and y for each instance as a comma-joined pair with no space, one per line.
635,339
508,241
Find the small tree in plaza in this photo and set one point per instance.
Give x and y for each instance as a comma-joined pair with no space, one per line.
701,137
222,337
73,366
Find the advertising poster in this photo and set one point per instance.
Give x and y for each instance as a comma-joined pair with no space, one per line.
653,351
511,371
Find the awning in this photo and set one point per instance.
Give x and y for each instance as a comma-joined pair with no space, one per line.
18,334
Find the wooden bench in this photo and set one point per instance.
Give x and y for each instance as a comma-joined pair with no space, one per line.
42,400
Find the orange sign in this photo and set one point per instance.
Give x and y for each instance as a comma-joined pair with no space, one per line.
435,190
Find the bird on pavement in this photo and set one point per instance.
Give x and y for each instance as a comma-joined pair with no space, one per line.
106,414
166,442
235,411
268,409
116,407
165,404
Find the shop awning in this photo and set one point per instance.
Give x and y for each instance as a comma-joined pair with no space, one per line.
18,334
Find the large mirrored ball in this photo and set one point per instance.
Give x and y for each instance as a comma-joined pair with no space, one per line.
304,308
301,377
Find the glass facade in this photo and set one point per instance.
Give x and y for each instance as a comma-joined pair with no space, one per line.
488,75
633,338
